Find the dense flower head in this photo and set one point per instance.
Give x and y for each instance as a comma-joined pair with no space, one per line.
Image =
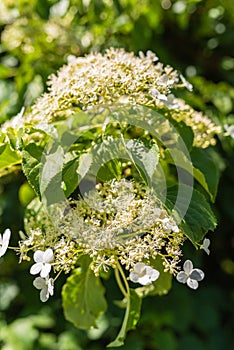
116,221
118,77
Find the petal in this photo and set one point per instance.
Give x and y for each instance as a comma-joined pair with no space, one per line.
188,266
133,277
153,274
4,241
39,283
45,270
36,268
6,235
48,255
145,280
51,286
139,268
192,283
38,256
44,295
182,277
197,275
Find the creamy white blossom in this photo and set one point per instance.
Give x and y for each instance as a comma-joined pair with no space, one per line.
190,275
42,262
4,241
143,274
46,285
205,245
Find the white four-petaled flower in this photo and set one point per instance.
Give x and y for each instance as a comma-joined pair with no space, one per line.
143,274
46,285
4,241
205,245
190,275
42,260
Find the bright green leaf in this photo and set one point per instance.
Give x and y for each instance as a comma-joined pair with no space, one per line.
83,297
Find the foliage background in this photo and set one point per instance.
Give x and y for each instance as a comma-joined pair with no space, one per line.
195,37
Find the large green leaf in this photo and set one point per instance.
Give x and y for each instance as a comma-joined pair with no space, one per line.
199,164
83,296
132,315
196,215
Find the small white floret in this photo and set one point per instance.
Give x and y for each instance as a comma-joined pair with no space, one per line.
205,245
42,262
190,275
143,274
46,285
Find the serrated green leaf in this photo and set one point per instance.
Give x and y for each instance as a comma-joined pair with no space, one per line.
132,315
83,296
199,217
31,163
200,166
205,170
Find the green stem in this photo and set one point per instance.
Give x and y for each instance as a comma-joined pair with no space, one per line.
119,282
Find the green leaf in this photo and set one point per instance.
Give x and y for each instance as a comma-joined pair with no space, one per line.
8,158
132,315
31,163
83,296
206,170
144,157
199,217
201,166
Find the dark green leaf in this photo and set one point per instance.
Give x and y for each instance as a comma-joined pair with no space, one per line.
196,214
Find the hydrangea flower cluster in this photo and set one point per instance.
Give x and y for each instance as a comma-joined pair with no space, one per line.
122,77
119,221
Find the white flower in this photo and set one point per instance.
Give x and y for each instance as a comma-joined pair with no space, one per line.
230,130
143,274
42,260
4,241
186,83
205,245
46,285
190,275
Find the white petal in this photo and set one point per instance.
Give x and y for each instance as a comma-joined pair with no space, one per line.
50,286
45,270
48,255
182,277
144,280
38,256
133,277
197,274
153,274
44,295
192,283
139,268
4,241
6,235
39,283
188,266
36,268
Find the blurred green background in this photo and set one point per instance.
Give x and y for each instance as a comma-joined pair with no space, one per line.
197,38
